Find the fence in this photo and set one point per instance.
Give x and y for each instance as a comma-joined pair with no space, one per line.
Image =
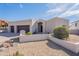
34,37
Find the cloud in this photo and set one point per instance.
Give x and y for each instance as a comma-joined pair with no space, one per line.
56,9
70,11
62,9
53,10
20,5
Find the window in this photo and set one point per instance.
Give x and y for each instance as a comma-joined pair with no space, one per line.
75,24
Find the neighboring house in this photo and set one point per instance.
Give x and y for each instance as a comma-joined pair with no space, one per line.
37,25
74,27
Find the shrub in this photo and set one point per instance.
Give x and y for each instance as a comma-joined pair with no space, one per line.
61,33
29,33
17,54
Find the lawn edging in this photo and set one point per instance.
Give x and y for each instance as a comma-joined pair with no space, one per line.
74,47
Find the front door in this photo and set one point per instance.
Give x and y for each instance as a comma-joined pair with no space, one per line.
40,27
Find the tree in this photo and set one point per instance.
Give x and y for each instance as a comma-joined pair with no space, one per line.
3,24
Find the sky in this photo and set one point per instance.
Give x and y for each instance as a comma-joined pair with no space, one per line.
21,11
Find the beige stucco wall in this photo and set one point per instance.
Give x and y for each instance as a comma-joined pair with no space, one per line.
44,25
35,25
55,22
35,37
74,47
23,22
48,25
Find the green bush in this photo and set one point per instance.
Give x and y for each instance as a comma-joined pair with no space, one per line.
61,33
29,33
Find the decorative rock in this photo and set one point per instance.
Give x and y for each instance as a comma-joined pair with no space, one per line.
7,44
22,32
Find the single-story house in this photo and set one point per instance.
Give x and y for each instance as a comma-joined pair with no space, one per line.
37,25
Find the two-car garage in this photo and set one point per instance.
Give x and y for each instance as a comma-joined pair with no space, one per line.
20,27
23,27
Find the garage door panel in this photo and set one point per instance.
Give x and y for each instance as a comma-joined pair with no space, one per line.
23,27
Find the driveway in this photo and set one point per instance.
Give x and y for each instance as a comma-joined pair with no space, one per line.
6,36
2,39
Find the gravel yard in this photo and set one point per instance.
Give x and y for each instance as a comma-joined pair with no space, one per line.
38,48
73,38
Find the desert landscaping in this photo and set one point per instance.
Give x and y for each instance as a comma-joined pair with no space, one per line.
39,48
73,38
27,32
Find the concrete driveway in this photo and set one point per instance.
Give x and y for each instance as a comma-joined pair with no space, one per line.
6,36
3,39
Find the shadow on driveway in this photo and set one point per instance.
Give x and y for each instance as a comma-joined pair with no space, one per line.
9,34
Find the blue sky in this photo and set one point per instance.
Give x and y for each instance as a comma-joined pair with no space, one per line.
20,11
